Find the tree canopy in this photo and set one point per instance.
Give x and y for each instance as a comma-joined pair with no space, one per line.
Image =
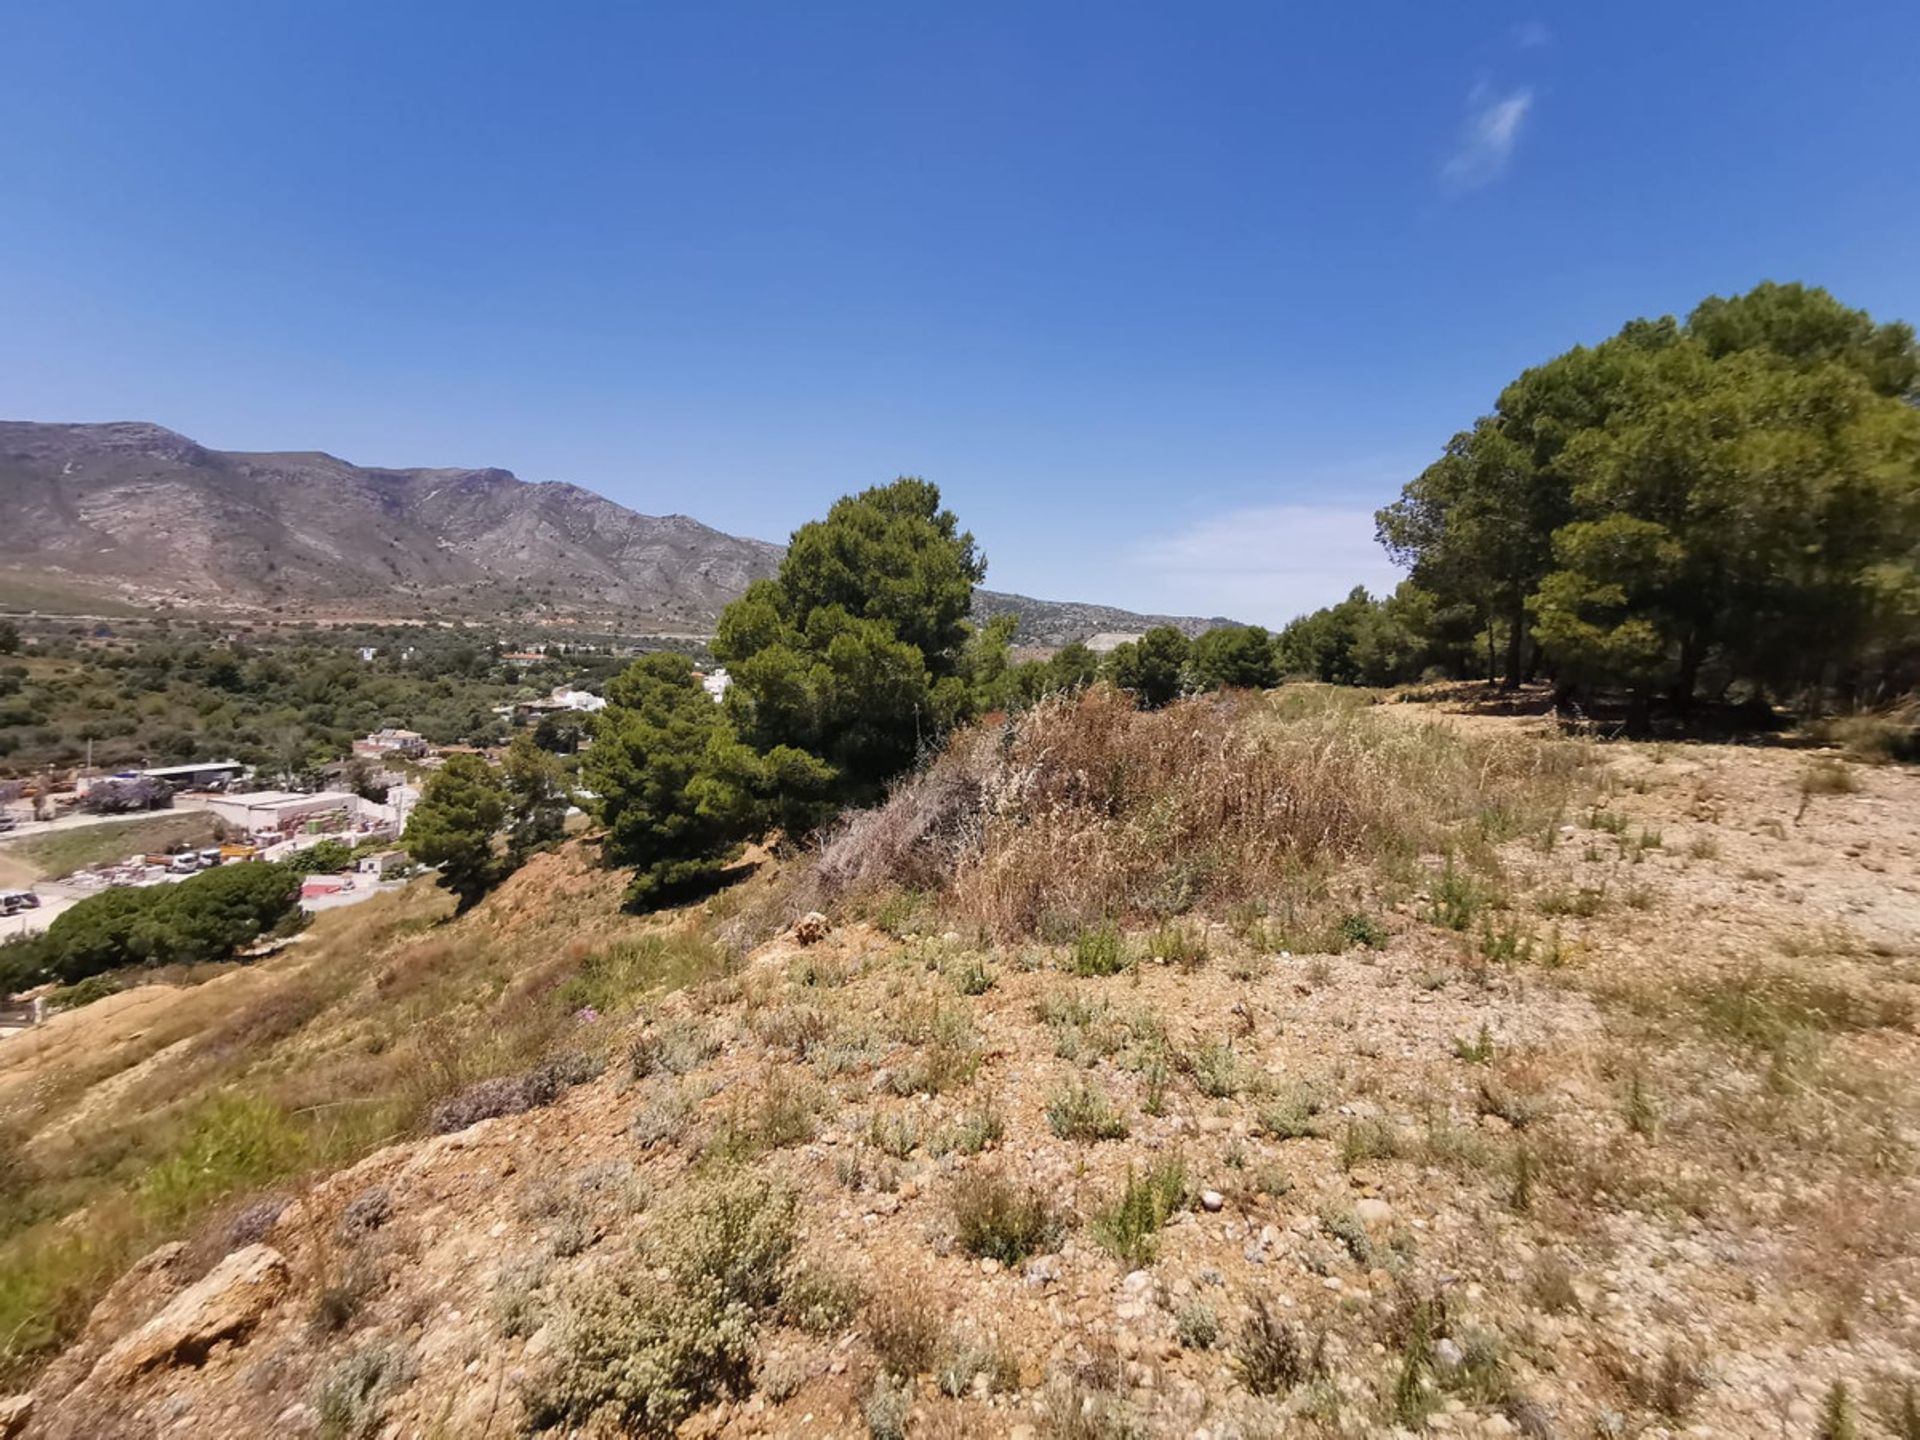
462,808
211,916
853,652
1153,668
678,791
1729,500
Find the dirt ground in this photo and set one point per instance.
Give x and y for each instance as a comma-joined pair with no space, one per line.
1630,1152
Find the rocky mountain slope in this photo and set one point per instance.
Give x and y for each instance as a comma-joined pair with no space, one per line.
134,514
140,513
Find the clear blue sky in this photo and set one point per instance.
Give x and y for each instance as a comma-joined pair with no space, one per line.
1166,297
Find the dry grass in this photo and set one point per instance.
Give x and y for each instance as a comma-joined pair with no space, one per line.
299,1065
1084,810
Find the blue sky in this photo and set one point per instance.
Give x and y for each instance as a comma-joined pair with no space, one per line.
1167,298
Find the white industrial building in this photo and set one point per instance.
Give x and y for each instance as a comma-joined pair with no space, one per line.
281,812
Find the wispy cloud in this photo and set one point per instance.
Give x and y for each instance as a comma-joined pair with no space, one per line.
1532,35
1266,563
1494,122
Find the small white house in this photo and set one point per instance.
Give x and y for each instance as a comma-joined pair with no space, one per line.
391,741
715,683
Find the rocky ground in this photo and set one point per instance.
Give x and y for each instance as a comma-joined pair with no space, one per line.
1612,1137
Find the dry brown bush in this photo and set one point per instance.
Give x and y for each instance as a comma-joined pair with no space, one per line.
1085,808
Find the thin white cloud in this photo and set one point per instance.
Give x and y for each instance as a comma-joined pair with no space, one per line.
1265,564
1532,35
1486,145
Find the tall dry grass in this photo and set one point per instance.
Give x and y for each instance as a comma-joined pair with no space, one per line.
1084,808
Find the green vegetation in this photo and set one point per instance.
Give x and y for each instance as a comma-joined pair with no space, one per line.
284,701
1152,669
852,654
1722,502
679,791
995,1219
382,1024
646,1355
1127,1227
211,916
461,810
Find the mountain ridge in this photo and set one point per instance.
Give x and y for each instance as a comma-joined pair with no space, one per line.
135,513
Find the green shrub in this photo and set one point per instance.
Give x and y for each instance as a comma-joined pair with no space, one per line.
352,1397
72,997
972,1133
1178,945
1128,1226
1293,1114
1217,1071
820,1301
736,1232
1364,931
1458,897
1098,951
906,1333
647,1355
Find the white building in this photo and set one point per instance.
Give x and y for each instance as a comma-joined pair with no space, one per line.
715,683
389,741
282,812
584,700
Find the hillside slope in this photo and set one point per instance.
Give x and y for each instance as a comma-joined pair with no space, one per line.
134,515
1599,1125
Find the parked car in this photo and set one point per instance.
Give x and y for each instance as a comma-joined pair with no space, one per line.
12,902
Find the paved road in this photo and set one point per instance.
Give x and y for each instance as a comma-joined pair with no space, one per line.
80,820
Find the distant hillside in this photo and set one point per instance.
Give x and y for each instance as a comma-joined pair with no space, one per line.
131,515
1057,622
136,513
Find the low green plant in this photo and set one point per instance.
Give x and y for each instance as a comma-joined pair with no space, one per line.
646,1355
1364,931
970,975
351,1399
1837,1421
960,1364
1347,1227
1364,1141
1128,1225
906,1333
1197,1325
889,1404
1477,1051
819,1300
1218,1071
1294,1113
1457,898
1098,950
1081,1110
1179,945
971,1133
1638,1109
